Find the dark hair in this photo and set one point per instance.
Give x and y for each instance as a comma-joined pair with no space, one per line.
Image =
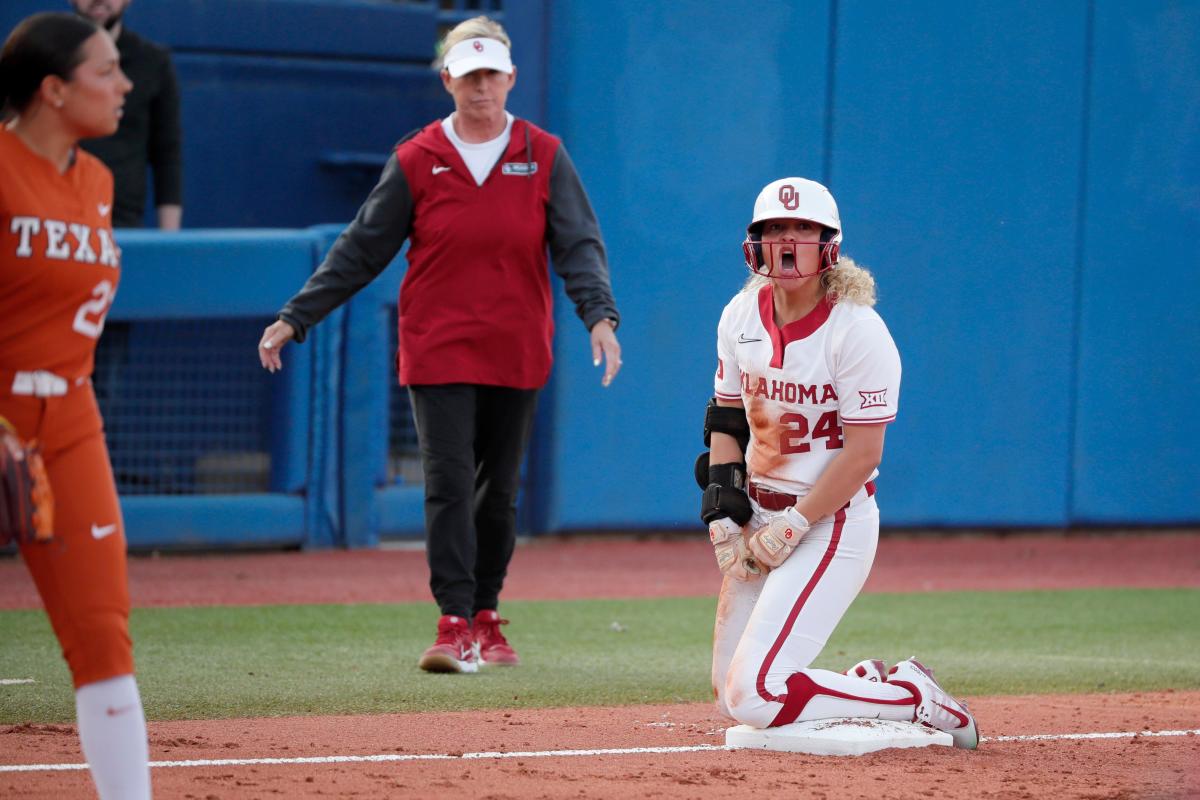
43,44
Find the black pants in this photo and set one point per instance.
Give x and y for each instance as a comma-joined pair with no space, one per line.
472,439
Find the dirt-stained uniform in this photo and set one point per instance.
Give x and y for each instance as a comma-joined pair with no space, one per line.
816,385
800,384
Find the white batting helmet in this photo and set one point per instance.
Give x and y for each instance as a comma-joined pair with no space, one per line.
794,198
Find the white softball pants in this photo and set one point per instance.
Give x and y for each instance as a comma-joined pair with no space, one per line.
768,630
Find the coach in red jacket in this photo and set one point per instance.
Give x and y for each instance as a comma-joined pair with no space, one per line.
480,196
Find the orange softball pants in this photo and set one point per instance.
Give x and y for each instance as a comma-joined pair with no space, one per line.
80,574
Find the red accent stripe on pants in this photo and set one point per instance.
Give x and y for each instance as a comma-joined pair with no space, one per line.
802,688
839,521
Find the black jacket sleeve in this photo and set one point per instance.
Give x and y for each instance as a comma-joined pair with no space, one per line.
576,248
165,147
363,250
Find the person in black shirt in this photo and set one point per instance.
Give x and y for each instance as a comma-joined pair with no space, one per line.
150,132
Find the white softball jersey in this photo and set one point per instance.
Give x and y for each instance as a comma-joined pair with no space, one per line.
801,383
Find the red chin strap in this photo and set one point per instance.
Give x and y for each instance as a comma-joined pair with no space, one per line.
752,251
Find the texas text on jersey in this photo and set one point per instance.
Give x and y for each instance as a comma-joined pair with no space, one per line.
59,264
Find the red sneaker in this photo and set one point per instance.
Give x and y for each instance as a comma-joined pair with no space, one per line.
454,650
493,648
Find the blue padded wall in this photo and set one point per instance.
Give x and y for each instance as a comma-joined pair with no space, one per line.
939,157
675,121
1137,448
954,138
956,161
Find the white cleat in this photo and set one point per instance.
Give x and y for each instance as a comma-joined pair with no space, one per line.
935,708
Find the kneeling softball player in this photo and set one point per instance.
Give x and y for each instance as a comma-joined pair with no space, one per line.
807,379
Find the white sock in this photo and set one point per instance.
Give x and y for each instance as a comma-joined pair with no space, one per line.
112,730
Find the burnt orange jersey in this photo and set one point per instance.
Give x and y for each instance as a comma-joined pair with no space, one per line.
59,265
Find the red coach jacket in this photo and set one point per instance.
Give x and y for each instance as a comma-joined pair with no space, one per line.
475,303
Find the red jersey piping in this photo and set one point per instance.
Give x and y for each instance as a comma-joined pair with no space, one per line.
792,332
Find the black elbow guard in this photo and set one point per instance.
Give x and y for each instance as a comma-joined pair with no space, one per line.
725,495
725,419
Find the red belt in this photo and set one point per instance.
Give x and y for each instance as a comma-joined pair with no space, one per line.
778,501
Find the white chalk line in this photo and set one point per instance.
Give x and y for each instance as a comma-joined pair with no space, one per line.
15,681
1062,737
614,751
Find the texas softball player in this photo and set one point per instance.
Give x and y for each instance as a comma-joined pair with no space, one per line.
807,380
61,81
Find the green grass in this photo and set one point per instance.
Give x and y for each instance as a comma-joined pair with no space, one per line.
196,663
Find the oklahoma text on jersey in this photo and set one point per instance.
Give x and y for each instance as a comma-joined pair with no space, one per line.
786,391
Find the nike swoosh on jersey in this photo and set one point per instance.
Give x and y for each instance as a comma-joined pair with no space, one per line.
103,208
99,532
439,170
743,340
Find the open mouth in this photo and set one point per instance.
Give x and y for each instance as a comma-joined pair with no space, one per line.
787,260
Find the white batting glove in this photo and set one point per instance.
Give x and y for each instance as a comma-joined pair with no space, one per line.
774,542
733,557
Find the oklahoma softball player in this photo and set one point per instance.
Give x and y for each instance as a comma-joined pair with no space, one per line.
62,82
807,379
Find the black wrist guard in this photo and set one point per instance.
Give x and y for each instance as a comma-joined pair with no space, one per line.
725,495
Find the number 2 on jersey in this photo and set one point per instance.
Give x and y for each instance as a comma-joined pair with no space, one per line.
795,432
89,319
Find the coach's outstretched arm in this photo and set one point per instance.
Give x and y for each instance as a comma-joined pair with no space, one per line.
363,251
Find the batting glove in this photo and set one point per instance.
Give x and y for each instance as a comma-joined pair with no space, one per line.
774,542
733,557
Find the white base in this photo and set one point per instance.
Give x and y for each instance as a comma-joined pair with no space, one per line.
836,737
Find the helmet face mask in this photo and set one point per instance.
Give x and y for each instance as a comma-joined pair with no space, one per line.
762,257
793,198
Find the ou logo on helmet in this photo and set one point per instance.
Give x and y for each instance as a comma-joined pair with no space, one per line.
789,197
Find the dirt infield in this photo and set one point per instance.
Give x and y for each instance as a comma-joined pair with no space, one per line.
549,749
1131,767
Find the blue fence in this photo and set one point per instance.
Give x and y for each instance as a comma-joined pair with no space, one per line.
209,449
